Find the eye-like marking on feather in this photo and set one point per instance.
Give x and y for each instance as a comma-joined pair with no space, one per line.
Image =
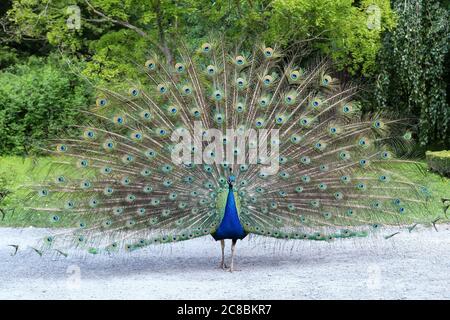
363,143
107,191
241,83
206,48
146,115
268,52
43,192
305,122
146,172
86,184
151,65
344,155
136,135
101,102
89,134
259,123
281,119
407,136
60,179
161,132
172,110
377,124
240,61
326,80
119,120
240,107
217,95
134,92
334,130
290,98
162,88
186,90
268,80
211,70
61,148
296,138
127,158
294,75
305,160
195,112
345,179
93,203
83,163
180,67
264,101
106,170
109,145
316,103
320,145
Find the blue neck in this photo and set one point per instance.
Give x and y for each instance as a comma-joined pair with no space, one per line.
230,227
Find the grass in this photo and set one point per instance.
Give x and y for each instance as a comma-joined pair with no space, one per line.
16,172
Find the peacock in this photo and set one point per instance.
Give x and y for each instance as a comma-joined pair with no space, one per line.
226,141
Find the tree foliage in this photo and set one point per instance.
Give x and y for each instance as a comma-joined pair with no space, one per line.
112,29
412,79
349,33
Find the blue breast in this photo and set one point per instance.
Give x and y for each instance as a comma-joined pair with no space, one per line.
230,227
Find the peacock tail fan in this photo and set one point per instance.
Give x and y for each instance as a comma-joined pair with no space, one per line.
152,162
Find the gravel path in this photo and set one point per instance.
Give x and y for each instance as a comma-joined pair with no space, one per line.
407,266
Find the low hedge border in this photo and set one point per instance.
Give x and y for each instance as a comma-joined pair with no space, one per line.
439,161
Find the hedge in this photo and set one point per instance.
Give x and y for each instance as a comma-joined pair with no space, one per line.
439,161
39,99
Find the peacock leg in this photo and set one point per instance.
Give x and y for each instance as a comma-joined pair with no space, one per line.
222,263
233,248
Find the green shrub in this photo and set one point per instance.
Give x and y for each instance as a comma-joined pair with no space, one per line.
439,161
38,99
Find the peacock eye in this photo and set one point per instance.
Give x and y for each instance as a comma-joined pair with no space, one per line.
326,79
206,47
61,148
267,80
150,64
211,69
240,60
146,115
162,88
268,52
218,95
134,92
179,67
101,102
